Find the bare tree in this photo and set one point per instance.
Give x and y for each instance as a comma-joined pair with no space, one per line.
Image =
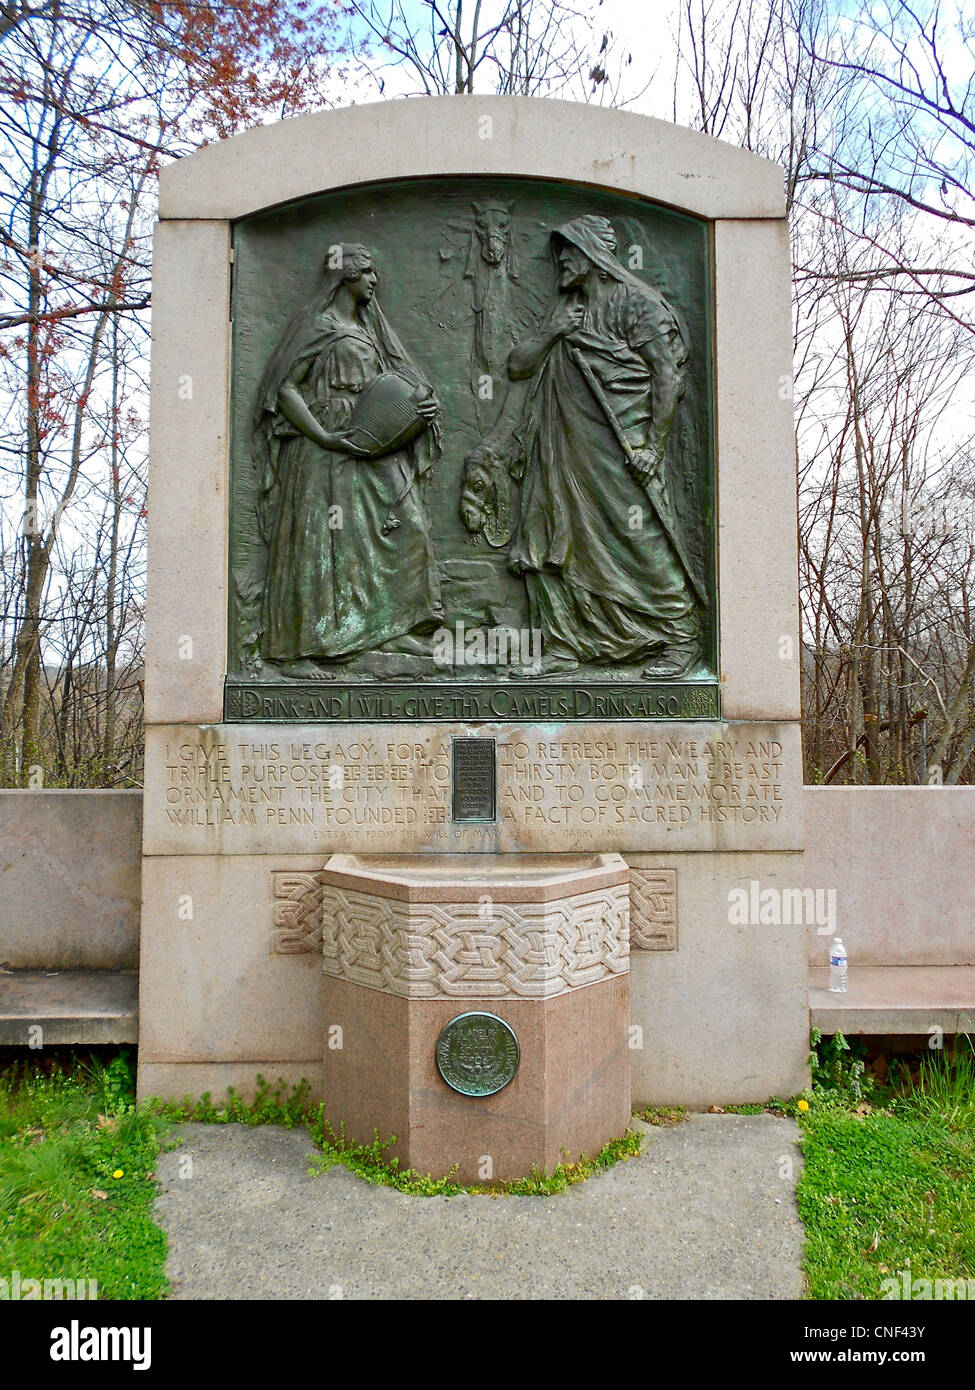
886,520
871,117
903,127
516,47
94,93
883,354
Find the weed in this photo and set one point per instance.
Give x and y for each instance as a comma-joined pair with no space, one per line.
282,1105
945,1089
369,1161
372,1162
838,1068
664,1115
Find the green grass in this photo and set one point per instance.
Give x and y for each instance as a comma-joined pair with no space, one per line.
888,1181
77,1169
77,1162
889,1176
77,1166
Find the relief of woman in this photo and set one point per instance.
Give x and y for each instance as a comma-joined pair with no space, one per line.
351,566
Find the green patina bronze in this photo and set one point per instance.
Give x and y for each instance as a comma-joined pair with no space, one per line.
472,446
477,1054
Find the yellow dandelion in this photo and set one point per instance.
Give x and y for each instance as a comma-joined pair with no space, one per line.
118,1173
803,1106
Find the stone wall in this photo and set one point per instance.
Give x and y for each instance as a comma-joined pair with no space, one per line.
899,860
902,863
70,875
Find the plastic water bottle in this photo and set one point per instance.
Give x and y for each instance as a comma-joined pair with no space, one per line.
837,966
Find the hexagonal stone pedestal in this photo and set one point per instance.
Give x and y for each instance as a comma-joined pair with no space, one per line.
540,942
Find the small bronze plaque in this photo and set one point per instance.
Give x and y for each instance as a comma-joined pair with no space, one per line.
477,1054
475,779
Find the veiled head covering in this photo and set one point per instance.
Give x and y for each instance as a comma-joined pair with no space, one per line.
303,328
306,336
592,234
595,237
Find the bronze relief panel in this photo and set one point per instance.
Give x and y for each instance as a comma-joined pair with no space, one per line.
472,457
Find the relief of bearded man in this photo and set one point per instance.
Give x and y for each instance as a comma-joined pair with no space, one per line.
607,365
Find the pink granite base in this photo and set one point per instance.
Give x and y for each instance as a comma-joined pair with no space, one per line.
571,1093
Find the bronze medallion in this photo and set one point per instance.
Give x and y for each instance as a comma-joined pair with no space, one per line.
477,1054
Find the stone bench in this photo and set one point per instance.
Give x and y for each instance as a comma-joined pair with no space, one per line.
895,999
71,1006
102,1006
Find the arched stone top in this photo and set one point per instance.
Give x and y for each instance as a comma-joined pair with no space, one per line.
430,136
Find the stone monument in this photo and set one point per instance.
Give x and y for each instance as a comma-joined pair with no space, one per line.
473,626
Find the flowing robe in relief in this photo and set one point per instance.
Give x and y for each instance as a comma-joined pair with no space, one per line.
336,584
601,588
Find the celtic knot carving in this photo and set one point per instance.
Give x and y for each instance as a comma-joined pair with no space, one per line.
470,950
297,911
653,909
